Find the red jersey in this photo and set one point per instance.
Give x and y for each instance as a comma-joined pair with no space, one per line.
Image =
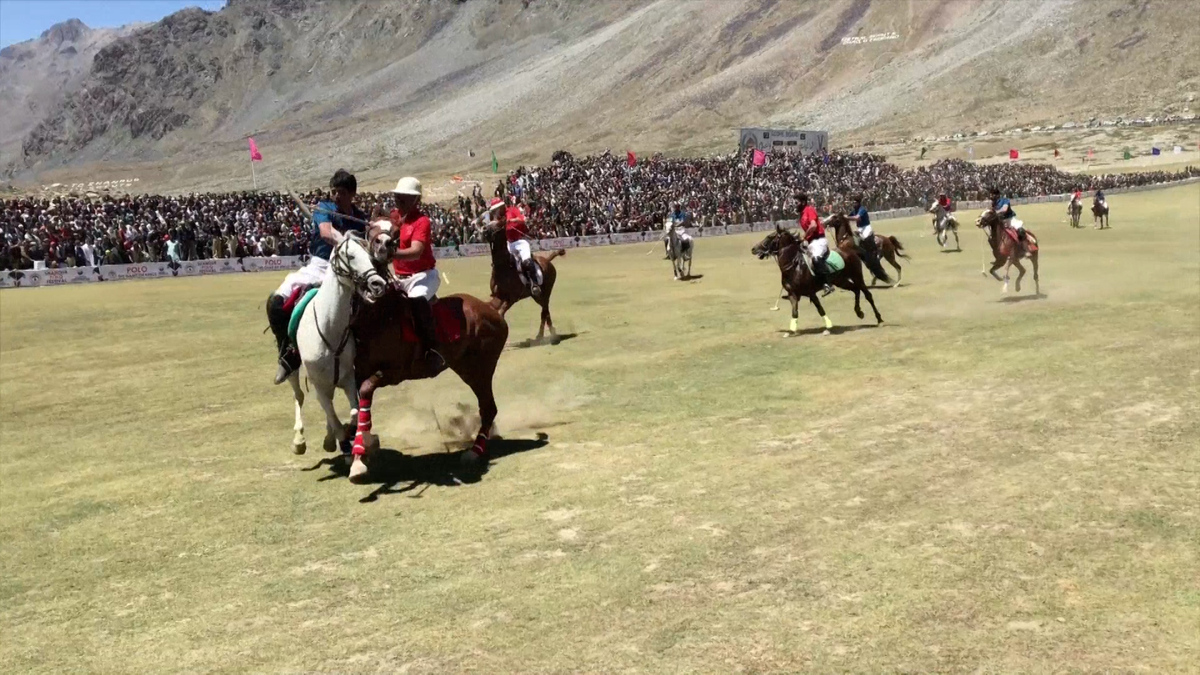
514,228
413,228
811,223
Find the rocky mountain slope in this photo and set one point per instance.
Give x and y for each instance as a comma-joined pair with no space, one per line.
382,85
36,76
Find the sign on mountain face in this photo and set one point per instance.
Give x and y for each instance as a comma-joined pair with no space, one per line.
876,37
804,141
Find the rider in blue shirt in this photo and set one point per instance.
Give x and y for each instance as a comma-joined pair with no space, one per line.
859,216
1008,217
328,229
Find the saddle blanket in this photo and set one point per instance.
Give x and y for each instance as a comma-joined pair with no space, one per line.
448,317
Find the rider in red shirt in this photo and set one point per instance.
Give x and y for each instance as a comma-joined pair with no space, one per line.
517,234
414,264
814,234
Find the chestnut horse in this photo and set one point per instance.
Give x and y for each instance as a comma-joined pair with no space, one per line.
798,281
507,287
1008,251
888,247
471,336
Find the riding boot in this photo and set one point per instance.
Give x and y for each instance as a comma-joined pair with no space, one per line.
427,333
821,277
289,357
529,267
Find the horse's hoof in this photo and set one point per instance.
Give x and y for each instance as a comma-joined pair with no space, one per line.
330,444
299,448
358,471
826,332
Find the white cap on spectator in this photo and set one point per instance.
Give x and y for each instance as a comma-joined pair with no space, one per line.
408,186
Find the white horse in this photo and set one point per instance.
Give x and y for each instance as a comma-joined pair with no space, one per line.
679,249
944,223
324,340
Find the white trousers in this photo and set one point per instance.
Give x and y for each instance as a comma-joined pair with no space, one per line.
1016,224
818,247
312,274
422,284
519,249
866,232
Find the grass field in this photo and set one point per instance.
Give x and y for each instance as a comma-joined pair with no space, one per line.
978,485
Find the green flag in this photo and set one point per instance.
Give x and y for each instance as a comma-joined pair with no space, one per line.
1127,155
495,164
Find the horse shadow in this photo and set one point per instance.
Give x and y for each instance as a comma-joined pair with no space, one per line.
545,341
952,250
391,468
1009,299
836,330
691,277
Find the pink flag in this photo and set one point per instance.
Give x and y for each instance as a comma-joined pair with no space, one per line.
760,158
255,155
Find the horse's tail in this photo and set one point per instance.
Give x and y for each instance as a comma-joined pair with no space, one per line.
555,254
899,247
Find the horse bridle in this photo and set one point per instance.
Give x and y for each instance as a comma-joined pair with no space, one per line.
343,268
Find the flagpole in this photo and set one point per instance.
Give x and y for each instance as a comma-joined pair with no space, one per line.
253,176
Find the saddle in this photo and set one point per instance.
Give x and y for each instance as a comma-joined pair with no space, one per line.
1031,245
448,318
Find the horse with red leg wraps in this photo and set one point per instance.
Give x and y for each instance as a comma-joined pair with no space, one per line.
470,334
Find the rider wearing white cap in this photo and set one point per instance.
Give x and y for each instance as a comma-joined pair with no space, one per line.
414,264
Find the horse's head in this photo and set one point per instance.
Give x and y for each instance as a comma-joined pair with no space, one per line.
986,220
773,243
354,266
382,240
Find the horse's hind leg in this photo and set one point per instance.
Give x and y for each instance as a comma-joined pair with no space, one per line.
891,258
299,445
821,310
547,321
1037,286
1020,274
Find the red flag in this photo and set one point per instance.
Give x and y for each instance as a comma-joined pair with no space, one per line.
631,158
1013,154
760,157
1091,153
1056,153
255,155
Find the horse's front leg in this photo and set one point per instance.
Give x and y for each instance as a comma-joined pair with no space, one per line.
299,445
333,426
363,438
795,324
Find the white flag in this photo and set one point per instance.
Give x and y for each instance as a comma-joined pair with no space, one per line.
1178,149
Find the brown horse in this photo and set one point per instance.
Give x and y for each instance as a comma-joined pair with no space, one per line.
888,247
1008,251
1099,216
471,336
798,280
507,287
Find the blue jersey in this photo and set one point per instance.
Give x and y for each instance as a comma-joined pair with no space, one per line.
318,247
864,219
678,217
1003,208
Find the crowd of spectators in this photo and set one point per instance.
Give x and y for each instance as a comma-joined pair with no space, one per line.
569,197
